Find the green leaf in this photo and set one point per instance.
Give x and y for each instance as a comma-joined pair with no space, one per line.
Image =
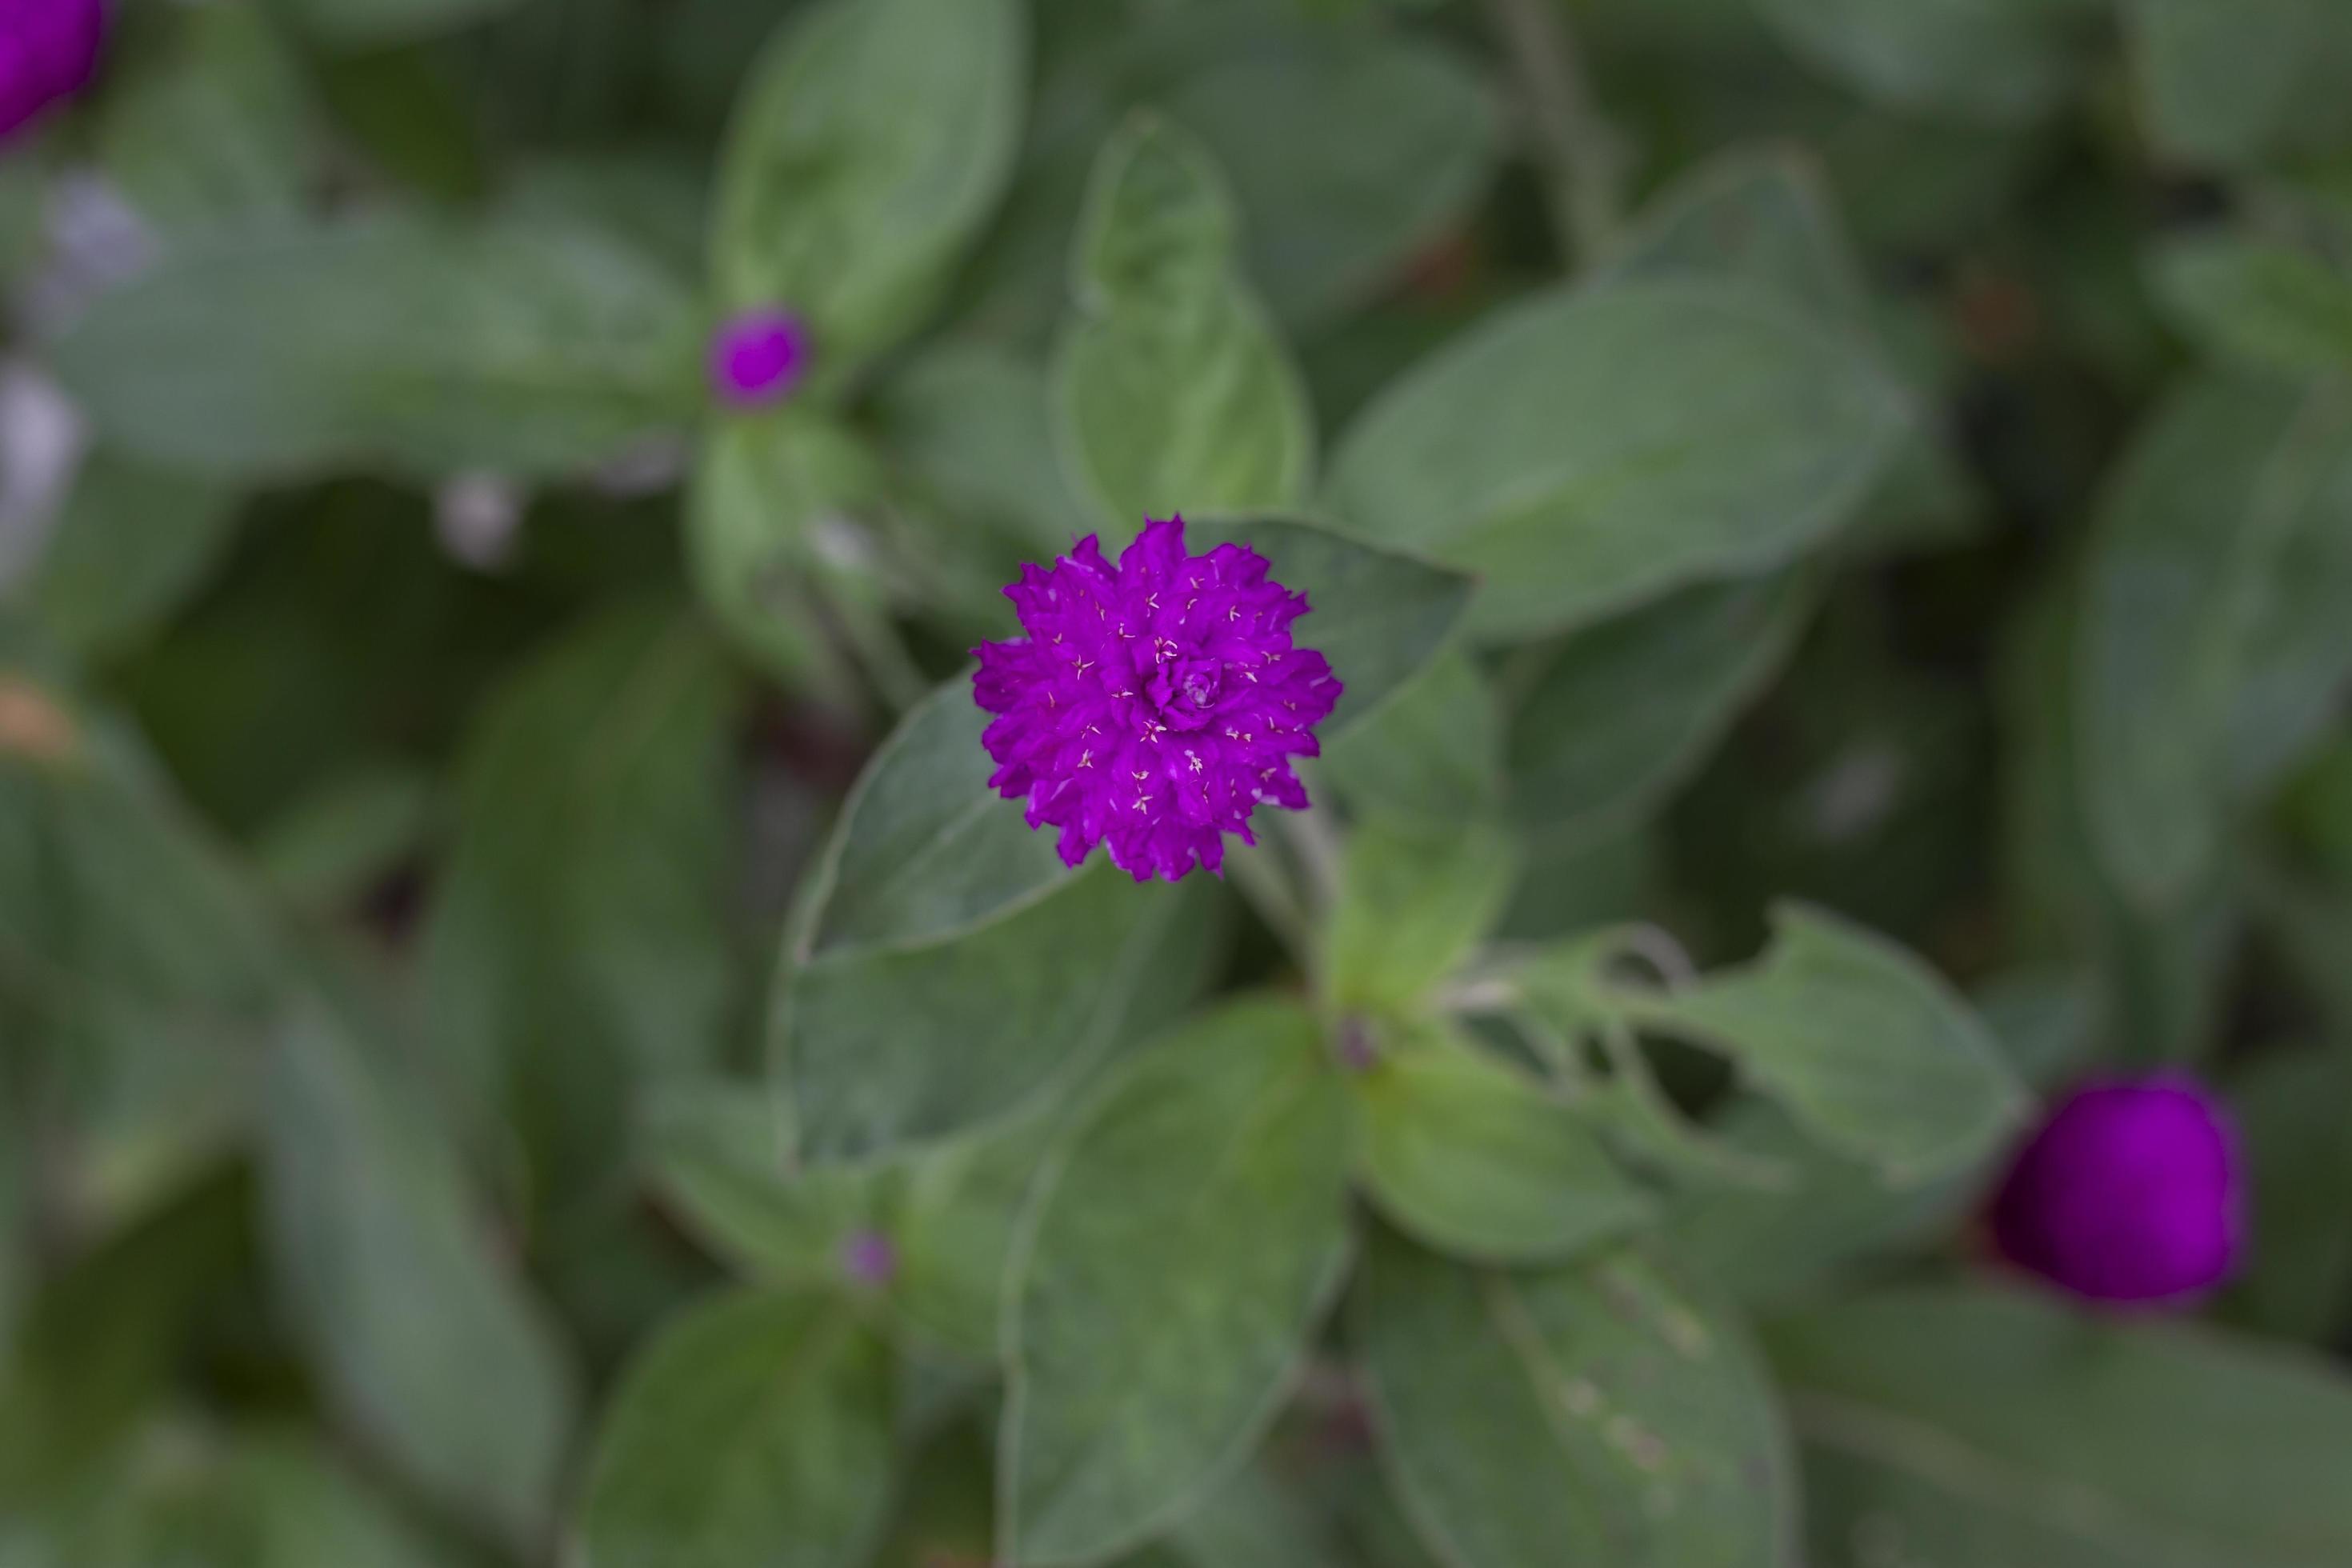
1172,393
892,1046
2295,1114
2225,525
361,25
1185,1242
1622,711
1473,1157
973,426
1981,1428
1589,451
2239,83
423,345
1349,152
1828,1216
422,1334
216,135
754,1432
925,847
133,543
954,1226
1414,901
773,544
1603,1412
1378,615
869,147
1860,1040
1432,752
1991,61
98,1345
719,1154
2259,301
578,940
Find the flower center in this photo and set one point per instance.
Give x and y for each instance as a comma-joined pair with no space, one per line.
1186,691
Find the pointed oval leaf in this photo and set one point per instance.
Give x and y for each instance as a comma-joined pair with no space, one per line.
1185,1242
1591,450
1603,1411
755,1432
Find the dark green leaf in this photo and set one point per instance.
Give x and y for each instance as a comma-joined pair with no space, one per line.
2294,1116
2262,301
425,345
356,24
1981,1428
754,1432
894,1046
1604,1411
1624,711
1863,1043
2239,83
1185,1242
1985,60
421,1332
1587,452
132,543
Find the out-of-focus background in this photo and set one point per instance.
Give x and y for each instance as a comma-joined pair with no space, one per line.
430,673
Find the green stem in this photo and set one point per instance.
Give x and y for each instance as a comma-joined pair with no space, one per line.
1582,156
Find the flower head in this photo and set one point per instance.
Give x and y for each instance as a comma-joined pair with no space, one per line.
48,51
2132,1192
1153,705
757,357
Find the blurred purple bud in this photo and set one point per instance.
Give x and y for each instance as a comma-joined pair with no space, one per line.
758,357
2131,1193
869,1259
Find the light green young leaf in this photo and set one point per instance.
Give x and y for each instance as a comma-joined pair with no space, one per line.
1982,1427
869,147
1589,451
1624,711
424,346
2262,302
1185,1243
1473,1157
1985,61
2237,84
755,1432
1414,901
1171,391
1859,1039
1602,1412
425,1340
2189,598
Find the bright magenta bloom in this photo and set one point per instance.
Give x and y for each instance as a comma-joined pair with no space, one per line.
1152,706
758,357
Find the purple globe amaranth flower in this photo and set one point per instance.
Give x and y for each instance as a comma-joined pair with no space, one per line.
48,51
1154,705
758,357
2131,1193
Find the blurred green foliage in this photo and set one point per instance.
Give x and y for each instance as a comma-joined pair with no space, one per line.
525,1038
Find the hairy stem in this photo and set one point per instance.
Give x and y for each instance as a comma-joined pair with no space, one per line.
1582,156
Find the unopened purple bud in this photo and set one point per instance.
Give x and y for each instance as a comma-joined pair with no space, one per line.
2131,1193
869,1259
758,357
48,51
